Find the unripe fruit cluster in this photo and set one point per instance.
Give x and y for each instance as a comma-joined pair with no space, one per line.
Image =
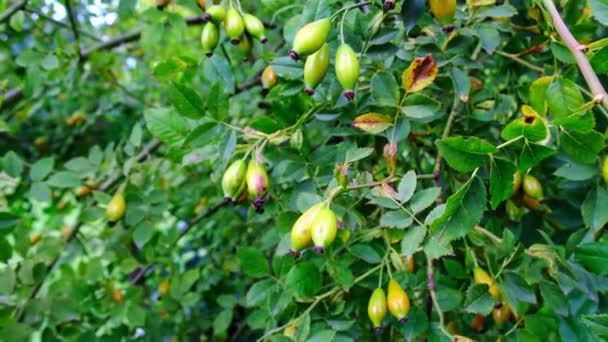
242,180
530,197
310,42
317,226
397,302
238,27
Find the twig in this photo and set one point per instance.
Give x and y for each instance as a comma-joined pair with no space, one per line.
12,9
317,301
61,23
599,93
433,293
70,9
147,150
445,134
521,61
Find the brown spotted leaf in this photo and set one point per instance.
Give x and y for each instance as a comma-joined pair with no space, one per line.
419,74
373,123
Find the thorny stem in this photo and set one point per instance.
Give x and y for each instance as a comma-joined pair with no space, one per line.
598,91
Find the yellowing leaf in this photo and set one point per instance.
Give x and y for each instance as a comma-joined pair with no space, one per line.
419,74
372,123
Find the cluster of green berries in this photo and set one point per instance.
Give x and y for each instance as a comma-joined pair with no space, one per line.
310,42
238,27
243,180
397,301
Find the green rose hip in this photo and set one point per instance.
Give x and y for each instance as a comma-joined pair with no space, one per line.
310,38
347,70
315,68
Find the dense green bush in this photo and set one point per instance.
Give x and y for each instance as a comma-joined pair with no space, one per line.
468,168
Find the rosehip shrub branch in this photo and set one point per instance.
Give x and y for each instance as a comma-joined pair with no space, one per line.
307,171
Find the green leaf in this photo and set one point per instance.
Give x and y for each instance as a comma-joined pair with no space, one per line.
253,262
582,147
461,82
478,300
595,208
465,154
517,289
142,233
501,180
417,324
367,253
490,38
464,209
532,154
576,172
50,62
407,186
384,88
322,336
16,21
64,179
412,239
419,112
304,280
435,249
531,126
561,52
12,164
220,106
448,298
340,271
80,165
217,70
6,250
357,153
40,192
41,168
260,291
8,221
503,11
566,104
222,322
166,125
598,323
594,256
424,198
411,11
395,219
599,9
598,61
287,68
187,101
538,94
554,298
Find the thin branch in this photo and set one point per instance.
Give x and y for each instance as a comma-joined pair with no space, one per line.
445,134
12,9
599,93
61,23
147,150
70,9
521,61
